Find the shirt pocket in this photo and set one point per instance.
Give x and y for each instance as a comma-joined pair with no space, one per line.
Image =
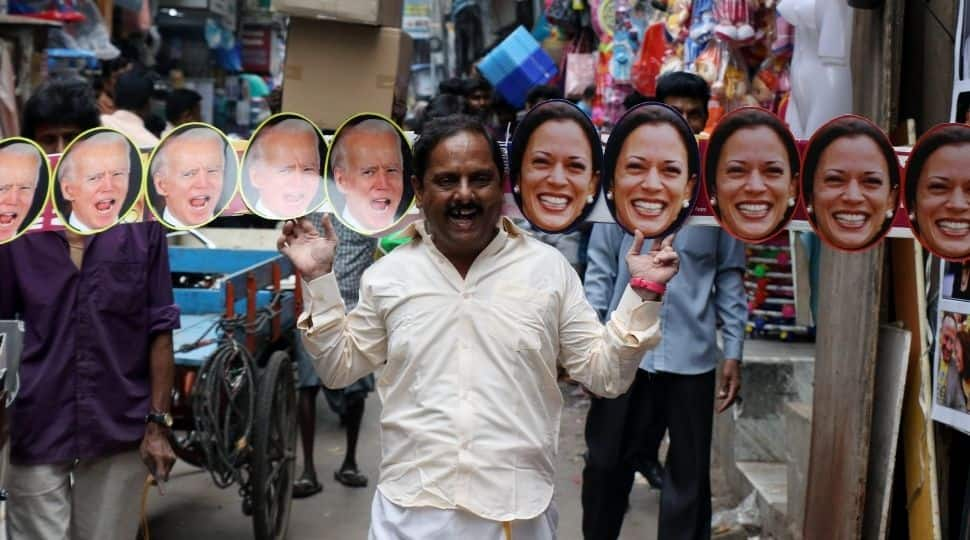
526,316
121,287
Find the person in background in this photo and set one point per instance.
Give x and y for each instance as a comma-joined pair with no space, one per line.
585,103
478,98
538,94
92,416
181,107
355,253
110,71
675,385
133,94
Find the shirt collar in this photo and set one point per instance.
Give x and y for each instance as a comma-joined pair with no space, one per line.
507,229
171,220
76,223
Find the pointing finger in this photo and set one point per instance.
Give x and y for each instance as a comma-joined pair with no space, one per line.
328,230
637,243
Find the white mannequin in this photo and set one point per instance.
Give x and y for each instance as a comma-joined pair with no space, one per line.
821,77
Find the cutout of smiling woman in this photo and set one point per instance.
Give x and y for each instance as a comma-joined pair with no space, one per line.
97,180
937,188
850,183
651,165
751,174
23,187
191,176
369,173
280,176
555,161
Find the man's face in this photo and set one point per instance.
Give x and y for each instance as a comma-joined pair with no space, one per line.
287,173
693,110
54,138
461,195
371,177
17,187
98,182
478,101
191,178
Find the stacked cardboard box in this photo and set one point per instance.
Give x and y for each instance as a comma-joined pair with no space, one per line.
344,57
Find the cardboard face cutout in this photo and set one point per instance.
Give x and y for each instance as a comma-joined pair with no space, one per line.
555,161
191,177
651,170
24,186
369,174
97,181
751,174
850,183
937,188
281,168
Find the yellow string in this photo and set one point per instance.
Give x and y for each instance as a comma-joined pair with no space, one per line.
507,525
144,507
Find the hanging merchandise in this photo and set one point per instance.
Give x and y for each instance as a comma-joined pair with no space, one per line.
624,48
733,21
771,84
678,19
654,51
784,42
580,68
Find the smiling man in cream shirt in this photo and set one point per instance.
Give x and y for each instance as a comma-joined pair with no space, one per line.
471,318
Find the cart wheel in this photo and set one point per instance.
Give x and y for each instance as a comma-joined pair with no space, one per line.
275,449
187,448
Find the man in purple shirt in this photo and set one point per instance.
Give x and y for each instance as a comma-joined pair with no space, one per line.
97,368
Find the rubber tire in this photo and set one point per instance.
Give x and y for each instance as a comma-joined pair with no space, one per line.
276,389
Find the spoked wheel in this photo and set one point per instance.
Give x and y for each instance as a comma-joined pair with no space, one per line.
274,449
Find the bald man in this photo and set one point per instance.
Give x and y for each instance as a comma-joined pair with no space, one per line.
20,163
94,178
188,171
368,170
284,169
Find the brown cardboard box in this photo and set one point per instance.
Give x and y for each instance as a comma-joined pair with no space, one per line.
336,70
373,12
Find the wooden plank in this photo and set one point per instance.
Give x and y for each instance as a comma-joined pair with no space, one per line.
892,359
919,447
845,362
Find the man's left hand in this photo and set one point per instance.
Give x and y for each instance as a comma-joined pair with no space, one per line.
659,265
156,452
727,392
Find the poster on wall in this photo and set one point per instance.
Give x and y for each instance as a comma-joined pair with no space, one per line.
936,196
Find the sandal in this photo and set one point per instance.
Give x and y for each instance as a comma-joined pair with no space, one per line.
350,478
304,487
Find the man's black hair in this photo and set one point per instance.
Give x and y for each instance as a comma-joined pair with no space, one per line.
543,92
180,101
439,129
62,102
683,84
635,99
443,105
474,84
133,90
453,86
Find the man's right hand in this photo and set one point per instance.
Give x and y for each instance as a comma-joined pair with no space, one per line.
311,253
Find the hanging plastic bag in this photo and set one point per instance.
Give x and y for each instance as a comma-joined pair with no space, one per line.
654,50
580,73
90,34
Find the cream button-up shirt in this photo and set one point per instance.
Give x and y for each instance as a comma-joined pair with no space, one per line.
471,407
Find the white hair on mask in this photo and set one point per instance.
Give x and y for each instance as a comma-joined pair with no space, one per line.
23,149
65,171
290,125
374,126
197,134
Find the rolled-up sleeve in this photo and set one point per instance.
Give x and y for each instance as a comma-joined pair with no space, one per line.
605,358
344,347
163,314
729,295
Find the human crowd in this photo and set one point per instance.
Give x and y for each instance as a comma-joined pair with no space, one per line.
470,319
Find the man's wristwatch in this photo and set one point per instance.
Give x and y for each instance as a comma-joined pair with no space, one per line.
163,419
